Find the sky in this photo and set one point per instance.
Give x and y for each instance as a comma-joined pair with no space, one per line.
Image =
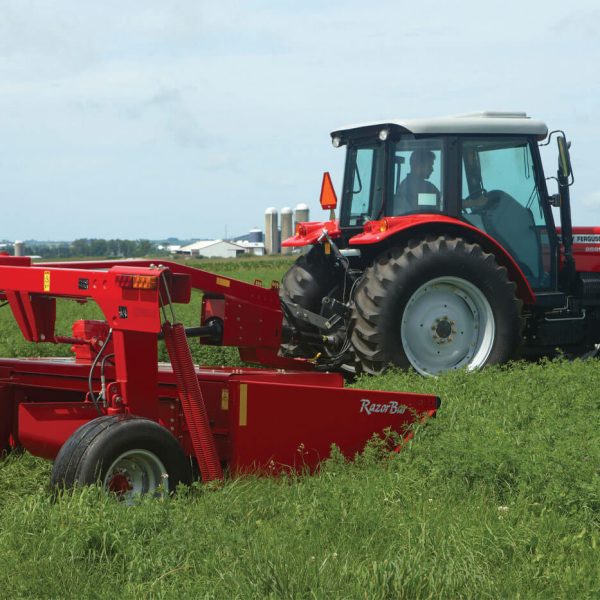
155,119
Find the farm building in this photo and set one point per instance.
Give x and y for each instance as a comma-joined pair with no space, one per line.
212,249
255,248
253,242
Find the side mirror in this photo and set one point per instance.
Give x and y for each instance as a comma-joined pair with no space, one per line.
555,200
564,163
328,197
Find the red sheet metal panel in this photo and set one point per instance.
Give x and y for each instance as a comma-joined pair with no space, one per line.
276,427
586,248
45,427
51,391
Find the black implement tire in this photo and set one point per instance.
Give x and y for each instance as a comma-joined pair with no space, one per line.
126,455
437,304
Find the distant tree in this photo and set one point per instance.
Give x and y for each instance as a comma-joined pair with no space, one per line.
93,248
63,251
144,247
126,248
80,247
98,247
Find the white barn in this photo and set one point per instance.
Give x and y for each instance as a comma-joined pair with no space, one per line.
254,248
212,249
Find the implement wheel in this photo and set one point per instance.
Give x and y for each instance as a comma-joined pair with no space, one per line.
128,456
438,304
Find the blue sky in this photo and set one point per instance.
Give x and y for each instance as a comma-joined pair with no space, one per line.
155,119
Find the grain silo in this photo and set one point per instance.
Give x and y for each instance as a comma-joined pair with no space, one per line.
302,214
271,231
19,248
287,227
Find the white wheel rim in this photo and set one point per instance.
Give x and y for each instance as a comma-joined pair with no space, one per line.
447,324
134,473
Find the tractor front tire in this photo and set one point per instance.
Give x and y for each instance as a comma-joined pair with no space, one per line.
128,456
435,305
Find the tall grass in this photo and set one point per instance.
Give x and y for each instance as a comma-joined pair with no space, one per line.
497,497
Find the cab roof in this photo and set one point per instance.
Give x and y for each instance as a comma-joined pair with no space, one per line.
487,122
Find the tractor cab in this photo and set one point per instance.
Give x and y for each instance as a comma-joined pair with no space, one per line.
482,169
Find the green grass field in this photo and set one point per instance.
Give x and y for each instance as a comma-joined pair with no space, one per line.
497,497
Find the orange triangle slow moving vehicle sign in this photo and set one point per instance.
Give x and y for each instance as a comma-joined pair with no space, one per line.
328,197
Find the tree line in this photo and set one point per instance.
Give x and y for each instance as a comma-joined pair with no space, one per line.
97,248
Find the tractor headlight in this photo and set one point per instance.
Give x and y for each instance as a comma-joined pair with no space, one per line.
383,134
336,141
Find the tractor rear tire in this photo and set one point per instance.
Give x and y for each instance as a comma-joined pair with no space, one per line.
435,305
129,456
309,280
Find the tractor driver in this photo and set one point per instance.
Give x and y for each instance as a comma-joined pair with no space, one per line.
415,192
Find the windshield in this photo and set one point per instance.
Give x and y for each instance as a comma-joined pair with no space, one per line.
363,193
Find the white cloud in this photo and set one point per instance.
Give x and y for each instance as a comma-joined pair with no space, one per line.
592,201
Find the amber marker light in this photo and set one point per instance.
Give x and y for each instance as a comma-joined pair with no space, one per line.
376,226
300,230
144,282
138,282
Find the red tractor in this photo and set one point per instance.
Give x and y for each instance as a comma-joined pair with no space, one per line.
445,254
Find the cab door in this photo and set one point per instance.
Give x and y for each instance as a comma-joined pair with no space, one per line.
502,194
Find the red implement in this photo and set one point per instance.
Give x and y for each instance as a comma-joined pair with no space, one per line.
246,419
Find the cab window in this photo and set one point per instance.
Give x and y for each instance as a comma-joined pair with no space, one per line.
417,177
